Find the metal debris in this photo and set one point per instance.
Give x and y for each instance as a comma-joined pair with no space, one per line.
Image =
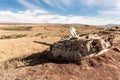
80,46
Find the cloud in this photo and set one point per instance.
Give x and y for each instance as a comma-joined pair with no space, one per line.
28,4
60,4
42,16
100,6
112,13
34,12
109,13
68,3
100,3
89,3
54,4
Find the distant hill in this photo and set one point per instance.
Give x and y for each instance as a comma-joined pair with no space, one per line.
111,25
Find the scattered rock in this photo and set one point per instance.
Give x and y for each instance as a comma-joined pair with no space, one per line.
116,49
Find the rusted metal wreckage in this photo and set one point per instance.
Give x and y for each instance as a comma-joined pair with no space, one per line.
80,46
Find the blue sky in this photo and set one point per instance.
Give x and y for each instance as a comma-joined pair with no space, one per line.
92,12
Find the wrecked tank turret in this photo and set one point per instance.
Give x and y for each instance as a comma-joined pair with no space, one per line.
80,46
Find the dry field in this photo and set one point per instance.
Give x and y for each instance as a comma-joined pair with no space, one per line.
24,57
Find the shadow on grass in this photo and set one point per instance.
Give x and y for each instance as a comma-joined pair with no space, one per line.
44,57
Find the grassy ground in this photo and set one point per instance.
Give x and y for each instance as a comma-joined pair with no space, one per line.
19,42
16,28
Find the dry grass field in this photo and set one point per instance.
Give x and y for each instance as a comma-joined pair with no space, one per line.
21,54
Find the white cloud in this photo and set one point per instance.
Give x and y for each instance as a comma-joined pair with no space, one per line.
68,2
113,13
61,4
100,3
110,8
54,4
34,12
28,4
42,16
89,3
110,13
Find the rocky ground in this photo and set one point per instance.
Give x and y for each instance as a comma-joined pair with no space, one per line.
25,59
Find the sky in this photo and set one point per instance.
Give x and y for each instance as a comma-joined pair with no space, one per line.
92,12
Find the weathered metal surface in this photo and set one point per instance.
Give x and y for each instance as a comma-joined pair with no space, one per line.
78,47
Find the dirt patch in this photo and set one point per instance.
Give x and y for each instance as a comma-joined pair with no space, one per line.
38,64
104,67
42,66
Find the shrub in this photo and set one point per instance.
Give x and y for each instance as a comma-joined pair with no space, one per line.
16,28
14,36
38,34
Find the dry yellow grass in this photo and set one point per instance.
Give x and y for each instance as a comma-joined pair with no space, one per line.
13,50
21,47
